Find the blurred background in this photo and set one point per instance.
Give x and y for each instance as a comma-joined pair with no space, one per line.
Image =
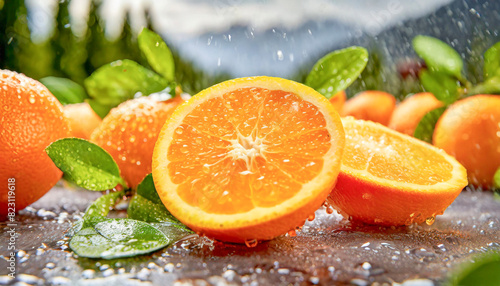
213,40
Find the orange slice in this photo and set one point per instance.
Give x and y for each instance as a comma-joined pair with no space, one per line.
248,159
389,178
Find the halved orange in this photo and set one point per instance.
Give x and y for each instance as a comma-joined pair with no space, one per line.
388,178
248,159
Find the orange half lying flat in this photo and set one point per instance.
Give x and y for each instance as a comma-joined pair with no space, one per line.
388,178
248,159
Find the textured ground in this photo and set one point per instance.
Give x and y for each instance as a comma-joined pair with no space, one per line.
328,250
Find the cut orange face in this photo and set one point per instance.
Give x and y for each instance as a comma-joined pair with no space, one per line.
389,178
248,159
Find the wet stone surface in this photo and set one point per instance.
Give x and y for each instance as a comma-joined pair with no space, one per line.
327,250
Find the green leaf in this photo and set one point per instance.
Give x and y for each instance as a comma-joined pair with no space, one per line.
489,86
147,206
96,236
143,209
114,238
96,212
438,55
147,189
496,179
118,81
484,271
172,230
100,208
492,61
157,53
65,90
99,109
85,163
337,70
425,127
443,86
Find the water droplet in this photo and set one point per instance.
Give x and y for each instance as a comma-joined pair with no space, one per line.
88,274
430,220
251,242
108,272
28,279
32,99
283,271
311,217
132,139
206,168
314,280
50,265
229,275
179,130
169,267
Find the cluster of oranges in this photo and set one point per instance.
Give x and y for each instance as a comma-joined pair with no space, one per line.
252,158
469,129
32,118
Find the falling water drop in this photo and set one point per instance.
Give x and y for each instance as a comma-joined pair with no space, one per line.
311,217
251,242
430,220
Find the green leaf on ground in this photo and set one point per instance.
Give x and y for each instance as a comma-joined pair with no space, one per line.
85,163
337,70
483,271
65,90
443,86
425,127
100,208
438,55
114,238
96,212
157,53
96,236
147,206
492,62
118,81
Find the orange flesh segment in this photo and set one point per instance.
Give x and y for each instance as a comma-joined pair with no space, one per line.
382,157
256,149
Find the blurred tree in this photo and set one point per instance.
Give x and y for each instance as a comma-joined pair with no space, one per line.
19,53
63,54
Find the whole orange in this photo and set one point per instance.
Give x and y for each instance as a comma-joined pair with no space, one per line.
469,130
373,105
31,118
410,111
129,133
82,119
